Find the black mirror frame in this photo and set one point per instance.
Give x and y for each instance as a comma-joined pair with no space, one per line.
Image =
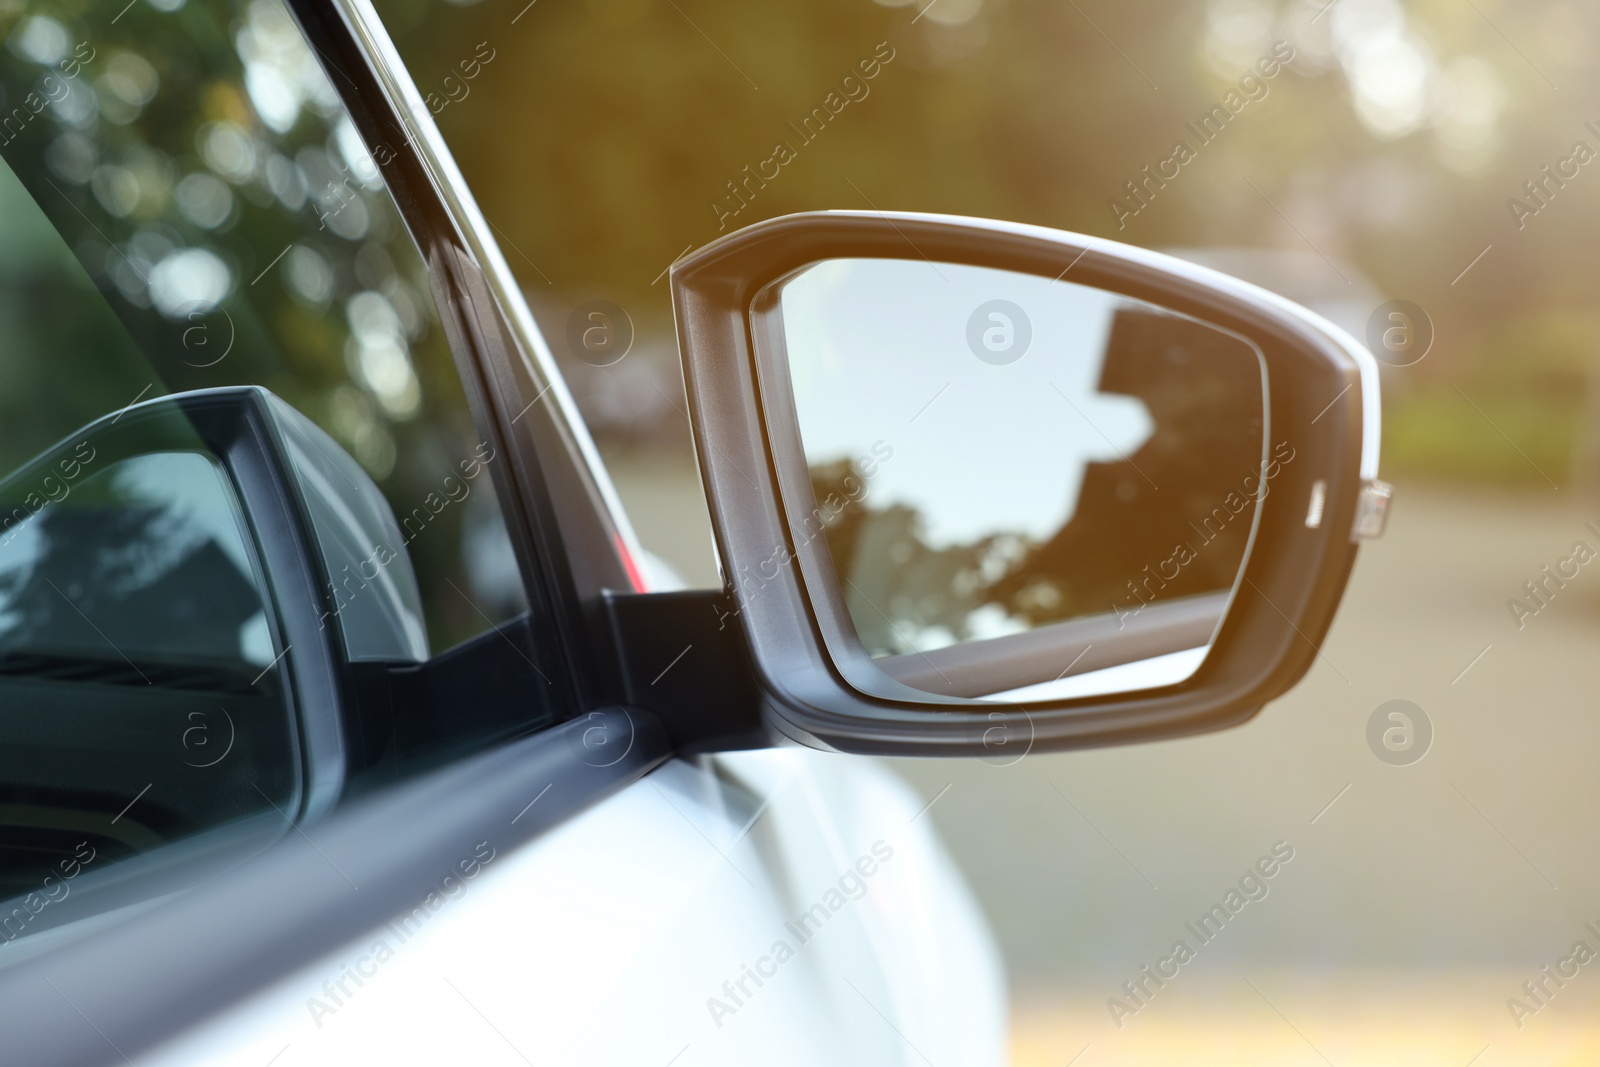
1294,574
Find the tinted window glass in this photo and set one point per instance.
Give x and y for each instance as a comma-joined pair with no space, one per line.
148,557
136,703
187,205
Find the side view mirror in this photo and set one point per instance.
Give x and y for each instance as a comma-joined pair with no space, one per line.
982,488
208,614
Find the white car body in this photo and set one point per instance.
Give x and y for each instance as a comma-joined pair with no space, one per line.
623,937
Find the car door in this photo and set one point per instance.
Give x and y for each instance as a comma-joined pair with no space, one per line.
684,920
198,168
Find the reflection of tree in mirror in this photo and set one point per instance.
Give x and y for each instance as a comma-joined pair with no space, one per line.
116,569
903,594
1185,487
128,613
136,582
1171,520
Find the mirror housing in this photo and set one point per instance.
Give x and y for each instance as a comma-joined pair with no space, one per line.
819,687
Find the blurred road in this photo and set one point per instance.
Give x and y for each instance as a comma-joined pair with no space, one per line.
1419,898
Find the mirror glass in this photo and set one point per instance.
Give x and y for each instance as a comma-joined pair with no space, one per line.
1024,488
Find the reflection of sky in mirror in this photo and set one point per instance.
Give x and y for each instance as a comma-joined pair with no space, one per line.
878,350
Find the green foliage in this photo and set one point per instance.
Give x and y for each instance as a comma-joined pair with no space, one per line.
1440,434
600,139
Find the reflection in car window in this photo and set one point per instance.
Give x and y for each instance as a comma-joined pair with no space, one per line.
149,552
185,204
135,703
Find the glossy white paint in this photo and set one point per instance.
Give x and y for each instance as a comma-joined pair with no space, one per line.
622,937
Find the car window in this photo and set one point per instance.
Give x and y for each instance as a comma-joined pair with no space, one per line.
136,706
184,205
151,547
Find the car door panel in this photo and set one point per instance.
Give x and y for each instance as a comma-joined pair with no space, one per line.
609,939
915,930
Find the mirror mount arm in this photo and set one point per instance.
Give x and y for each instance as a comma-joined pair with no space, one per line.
685,658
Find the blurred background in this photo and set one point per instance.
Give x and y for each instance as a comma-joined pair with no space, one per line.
1437,153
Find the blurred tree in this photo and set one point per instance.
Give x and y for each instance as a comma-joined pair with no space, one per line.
605,131
184,204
